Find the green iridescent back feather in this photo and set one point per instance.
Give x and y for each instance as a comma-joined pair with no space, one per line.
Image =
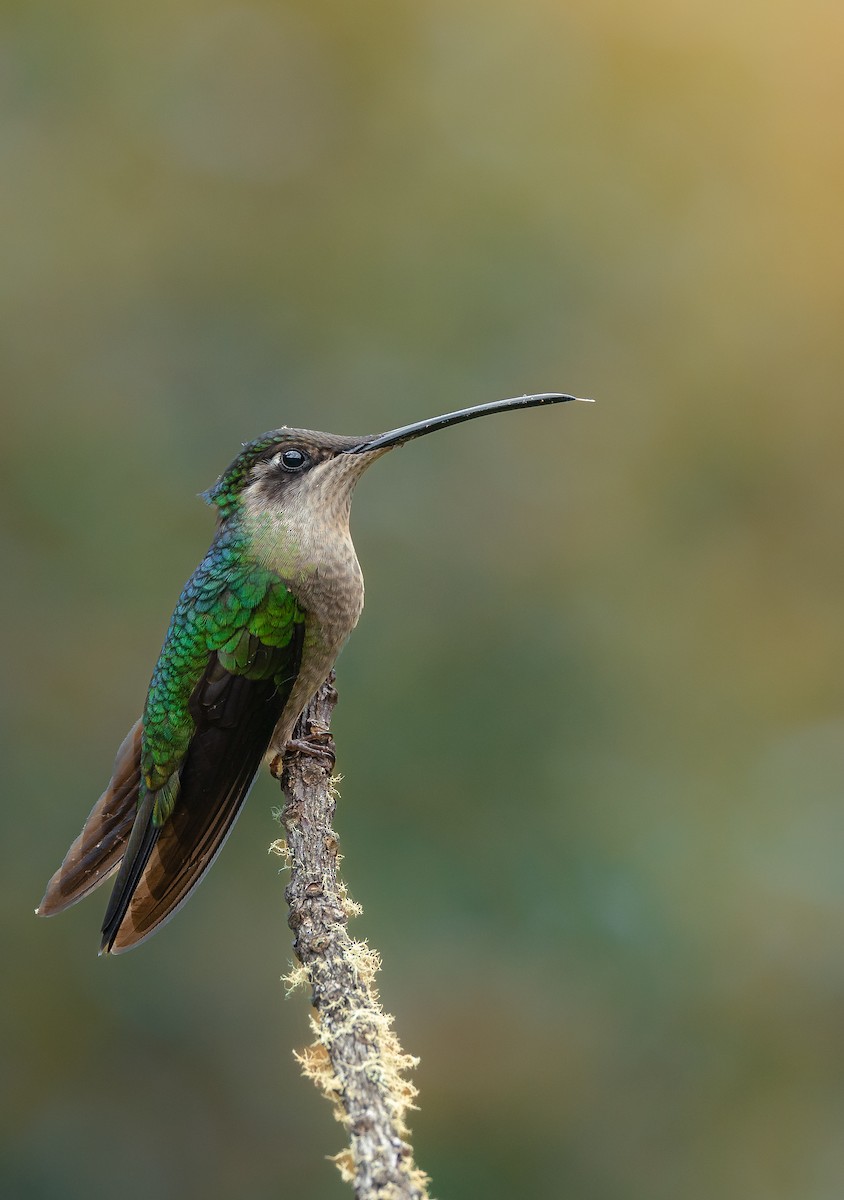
231,606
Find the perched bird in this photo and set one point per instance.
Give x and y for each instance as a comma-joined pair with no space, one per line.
256,631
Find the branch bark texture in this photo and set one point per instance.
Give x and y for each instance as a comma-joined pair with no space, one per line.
356,1058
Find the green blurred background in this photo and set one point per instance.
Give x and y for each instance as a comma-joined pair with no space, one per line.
592,722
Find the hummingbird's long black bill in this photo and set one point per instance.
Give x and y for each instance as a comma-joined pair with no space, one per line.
407,432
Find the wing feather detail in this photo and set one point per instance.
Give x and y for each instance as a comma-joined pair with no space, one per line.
235,717
230,658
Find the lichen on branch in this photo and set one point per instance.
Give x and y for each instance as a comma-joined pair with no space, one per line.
356,1058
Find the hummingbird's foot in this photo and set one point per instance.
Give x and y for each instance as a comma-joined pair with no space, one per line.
318,744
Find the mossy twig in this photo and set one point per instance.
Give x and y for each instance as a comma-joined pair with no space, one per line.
356,1058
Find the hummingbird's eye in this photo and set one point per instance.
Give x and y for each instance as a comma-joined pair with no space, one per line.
292,460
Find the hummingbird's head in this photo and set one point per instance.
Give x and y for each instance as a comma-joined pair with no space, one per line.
287,468
294,469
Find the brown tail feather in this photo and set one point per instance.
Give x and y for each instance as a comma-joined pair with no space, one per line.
97,852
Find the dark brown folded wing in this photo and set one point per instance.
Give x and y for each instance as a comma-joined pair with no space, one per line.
235,717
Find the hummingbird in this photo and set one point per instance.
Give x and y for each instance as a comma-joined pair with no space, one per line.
255,632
